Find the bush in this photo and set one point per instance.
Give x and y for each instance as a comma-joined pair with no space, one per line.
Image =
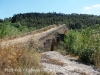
85,44
13,29
7,30
72,42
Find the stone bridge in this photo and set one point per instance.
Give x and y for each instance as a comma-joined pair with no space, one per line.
44,39
48,39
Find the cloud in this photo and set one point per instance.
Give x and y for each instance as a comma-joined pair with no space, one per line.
96,6
87,8
92,7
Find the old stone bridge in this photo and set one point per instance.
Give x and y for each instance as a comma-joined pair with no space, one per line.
48,39
44,39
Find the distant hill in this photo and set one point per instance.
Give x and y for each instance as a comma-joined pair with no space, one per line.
26,22
38,20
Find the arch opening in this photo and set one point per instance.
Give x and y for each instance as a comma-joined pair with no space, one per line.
53,44
60,37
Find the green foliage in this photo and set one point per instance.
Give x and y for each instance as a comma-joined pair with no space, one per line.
7,30
70,40
84,43
13,29
27,22
83,40
73,42
23,29
39,20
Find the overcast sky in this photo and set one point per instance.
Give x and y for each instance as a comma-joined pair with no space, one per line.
10,7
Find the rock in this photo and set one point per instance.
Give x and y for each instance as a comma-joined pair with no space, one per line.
59,73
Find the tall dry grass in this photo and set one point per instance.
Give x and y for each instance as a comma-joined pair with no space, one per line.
20,60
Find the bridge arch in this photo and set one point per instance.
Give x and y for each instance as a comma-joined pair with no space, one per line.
53,43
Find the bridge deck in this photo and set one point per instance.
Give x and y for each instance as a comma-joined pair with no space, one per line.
45,33
37,35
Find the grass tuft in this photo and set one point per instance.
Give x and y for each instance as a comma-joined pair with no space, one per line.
20,60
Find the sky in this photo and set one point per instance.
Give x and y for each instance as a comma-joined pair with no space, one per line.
10,7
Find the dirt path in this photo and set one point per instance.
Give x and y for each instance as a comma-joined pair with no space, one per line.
64,65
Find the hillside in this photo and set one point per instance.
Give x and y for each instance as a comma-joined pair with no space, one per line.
26,22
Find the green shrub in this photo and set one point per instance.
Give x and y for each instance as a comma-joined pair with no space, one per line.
13,29
73,42
85,44
8,30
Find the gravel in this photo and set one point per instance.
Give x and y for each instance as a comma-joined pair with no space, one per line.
71,65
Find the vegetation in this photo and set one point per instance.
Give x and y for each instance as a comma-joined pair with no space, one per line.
83,39
26,22
21,60
84,43
8,30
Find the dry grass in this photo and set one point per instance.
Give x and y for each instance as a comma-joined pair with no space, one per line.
57,62
17,59
97,58
80,72
47,59
63,52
